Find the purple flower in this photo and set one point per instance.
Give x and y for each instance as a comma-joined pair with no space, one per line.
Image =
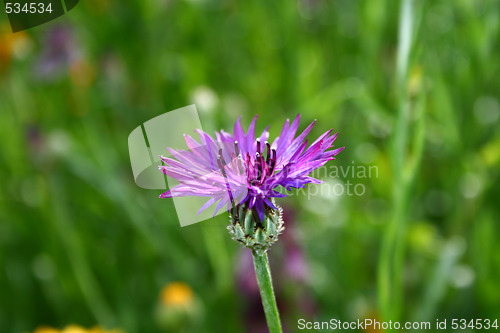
245,169
59,50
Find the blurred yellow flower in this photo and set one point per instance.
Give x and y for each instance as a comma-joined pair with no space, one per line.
98,329
178,308
177,293
74,329
46,330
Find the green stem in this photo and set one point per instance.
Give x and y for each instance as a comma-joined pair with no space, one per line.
263,273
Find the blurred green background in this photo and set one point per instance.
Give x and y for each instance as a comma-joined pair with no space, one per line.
82,244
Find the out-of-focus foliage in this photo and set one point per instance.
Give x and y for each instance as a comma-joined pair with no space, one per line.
82,244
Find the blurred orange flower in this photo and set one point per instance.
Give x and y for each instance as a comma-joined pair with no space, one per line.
81,73
11,45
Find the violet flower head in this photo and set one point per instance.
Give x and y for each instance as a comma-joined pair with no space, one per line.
60,49
243,169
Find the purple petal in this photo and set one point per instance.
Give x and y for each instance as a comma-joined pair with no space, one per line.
269,203
250,137
207,204
239,135
259,206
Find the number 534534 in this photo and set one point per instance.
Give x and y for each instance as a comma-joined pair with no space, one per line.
31,8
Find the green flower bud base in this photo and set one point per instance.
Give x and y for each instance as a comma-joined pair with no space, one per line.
247,228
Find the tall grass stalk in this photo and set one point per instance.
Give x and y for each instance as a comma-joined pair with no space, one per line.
391,260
